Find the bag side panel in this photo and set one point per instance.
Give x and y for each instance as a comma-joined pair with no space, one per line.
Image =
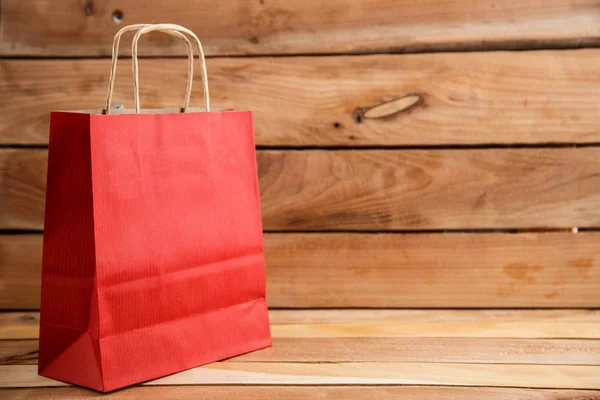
68,265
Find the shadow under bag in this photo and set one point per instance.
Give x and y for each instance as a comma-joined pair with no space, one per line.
153,258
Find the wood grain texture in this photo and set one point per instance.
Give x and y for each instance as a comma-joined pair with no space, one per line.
22,188
345,351
316,316
19,325
468,98
387,324
382,190
59,28
19,352
20,271
416,349
301,393
433,270
433,329
391,270
368,373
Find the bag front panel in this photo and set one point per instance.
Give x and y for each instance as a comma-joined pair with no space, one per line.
177,217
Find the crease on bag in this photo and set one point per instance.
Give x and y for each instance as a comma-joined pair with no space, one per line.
63,326
257,300
95,310
203,270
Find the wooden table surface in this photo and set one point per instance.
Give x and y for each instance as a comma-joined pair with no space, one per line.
361,353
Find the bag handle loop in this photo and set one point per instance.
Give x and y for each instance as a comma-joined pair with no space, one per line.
115,57
168,28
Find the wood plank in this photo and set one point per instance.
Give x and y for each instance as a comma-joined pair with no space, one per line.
535,376
417,349
468,98
430,189
302,393
430,270
315,316
58,28
433,329
420,349
382,190
433,270
395,270
368,373
439,323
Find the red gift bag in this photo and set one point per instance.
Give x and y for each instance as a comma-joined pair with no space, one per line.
153,257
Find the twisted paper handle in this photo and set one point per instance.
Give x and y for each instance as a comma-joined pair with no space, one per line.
169,28
115,55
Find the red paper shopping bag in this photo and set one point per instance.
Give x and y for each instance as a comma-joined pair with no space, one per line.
153,252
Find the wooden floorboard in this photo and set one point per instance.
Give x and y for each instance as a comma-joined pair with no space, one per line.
303,393
369,349
367,373
387,324
315,316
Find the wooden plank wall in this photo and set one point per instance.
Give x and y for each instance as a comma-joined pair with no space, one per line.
241,27
469,198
